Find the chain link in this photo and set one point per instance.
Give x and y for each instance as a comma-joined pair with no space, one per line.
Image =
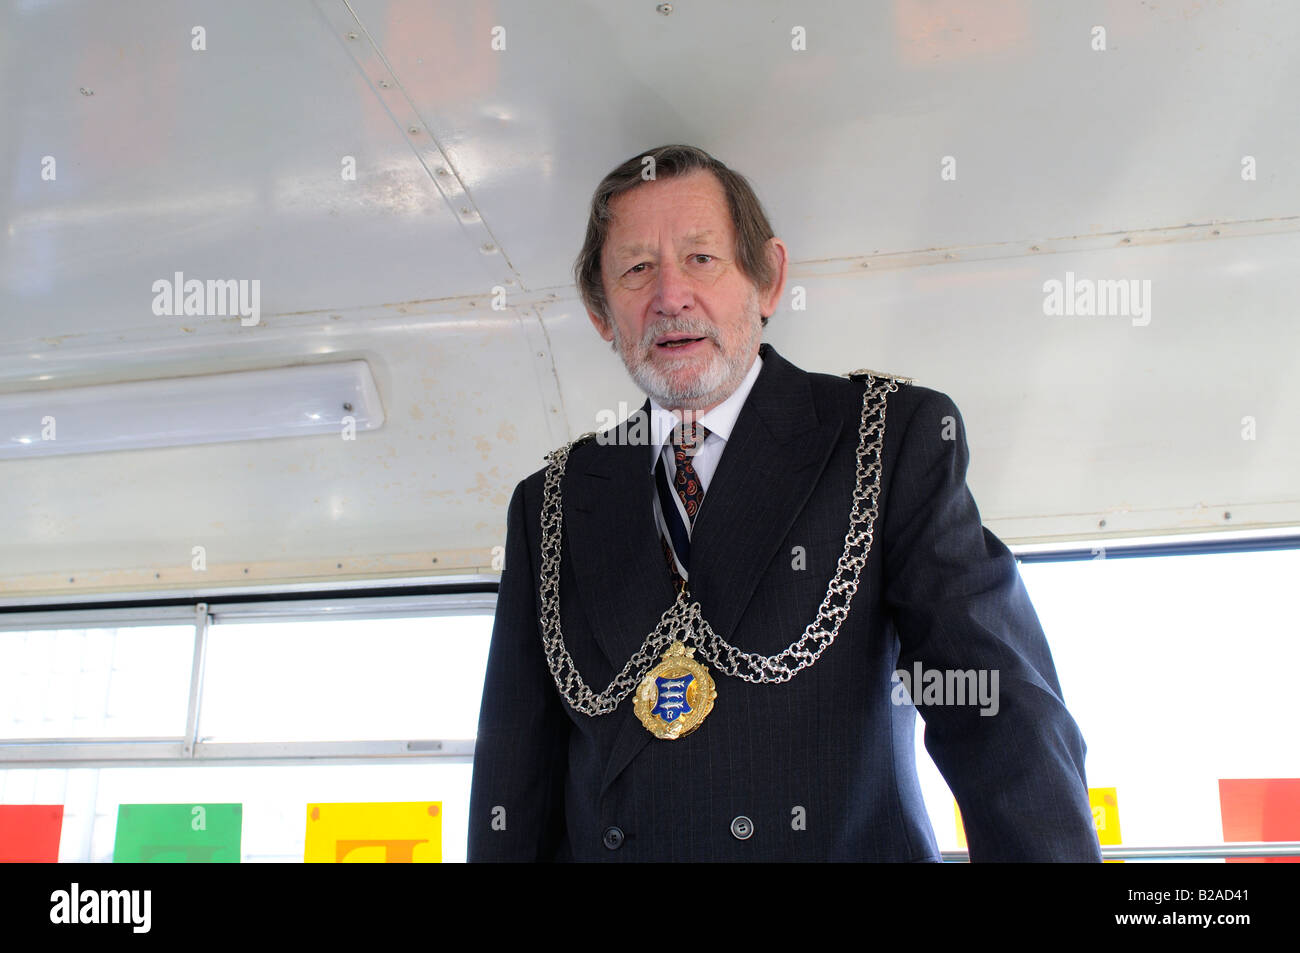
683,621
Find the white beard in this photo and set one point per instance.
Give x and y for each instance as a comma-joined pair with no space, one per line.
715,382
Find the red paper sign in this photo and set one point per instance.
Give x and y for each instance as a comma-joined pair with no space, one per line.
29,833
1260,809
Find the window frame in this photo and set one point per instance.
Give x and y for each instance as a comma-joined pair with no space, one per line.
467,596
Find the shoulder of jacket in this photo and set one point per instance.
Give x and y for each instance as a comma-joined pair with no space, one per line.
846,389
577,441
868,375
845,392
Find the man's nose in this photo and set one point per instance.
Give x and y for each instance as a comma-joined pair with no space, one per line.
673,292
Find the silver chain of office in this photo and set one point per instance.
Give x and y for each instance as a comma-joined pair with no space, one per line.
683,620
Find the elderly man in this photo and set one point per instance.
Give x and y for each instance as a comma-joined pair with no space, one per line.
717,621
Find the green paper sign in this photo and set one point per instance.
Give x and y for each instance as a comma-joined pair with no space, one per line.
178,834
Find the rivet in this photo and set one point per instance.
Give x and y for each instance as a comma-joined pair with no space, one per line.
352,36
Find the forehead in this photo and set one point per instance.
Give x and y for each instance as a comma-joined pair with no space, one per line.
680,208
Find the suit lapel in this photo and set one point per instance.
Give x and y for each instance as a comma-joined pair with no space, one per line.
771,464
623,580
768,470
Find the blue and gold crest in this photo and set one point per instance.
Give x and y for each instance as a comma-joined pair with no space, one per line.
675,695
671,700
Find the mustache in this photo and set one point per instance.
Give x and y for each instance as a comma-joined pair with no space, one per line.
699,329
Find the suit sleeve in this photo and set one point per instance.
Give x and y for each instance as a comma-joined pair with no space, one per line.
1014,759
517,791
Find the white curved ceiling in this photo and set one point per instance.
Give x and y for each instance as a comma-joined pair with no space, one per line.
473,169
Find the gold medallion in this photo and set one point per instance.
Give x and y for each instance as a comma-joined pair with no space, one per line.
675,695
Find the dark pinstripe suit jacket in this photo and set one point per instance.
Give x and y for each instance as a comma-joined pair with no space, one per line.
822,765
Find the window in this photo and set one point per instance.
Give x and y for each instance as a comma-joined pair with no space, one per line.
272,705
1178,669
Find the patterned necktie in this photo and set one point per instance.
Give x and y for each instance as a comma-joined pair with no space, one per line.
686,442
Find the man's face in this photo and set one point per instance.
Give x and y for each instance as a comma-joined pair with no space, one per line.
684,318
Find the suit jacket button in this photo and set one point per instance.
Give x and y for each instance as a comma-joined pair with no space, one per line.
613,838
742,827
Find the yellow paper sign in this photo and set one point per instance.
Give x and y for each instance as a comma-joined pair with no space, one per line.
1105,814
1105,817
396,832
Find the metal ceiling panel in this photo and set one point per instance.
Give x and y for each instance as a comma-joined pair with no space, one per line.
844,139
479,131
221,163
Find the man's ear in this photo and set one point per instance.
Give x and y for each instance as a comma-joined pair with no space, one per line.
777,255
603,327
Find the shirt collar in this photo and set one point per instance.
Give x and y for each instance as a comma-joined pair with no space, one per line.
720,420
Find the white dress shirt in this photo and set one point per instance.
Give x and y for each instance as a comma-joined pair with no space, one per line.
719,421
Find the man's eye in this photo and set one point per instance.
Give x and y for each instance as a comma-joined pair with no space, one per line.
707,259
634,269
